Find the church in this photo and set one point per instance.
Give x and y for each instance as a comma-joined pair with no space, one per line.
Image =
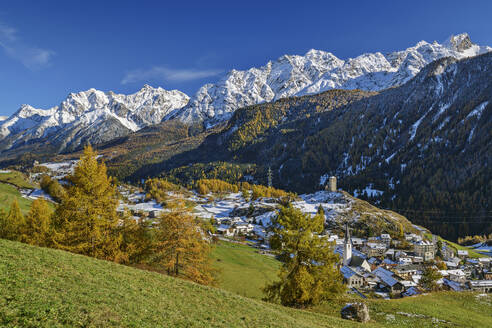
354,266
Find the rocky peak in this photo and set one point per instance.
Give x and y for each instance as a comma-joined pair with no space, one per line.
460,42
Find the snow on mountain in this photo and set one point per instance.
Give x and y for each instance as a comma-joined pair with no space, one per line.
95,116
81,116
315,72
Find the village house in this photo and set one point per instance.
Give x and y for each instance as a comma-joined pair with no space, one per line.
417,259
351,277
456,275
425,249
243,228
462,254
390,253
405,260
483,286
452,263
447,252
226,231
372,249
409,270
388,281
386,238
358,243
412,237
451,285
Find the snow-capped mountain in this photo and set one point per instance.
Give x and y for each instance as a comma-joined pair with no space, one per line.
315,72
95,116
90,116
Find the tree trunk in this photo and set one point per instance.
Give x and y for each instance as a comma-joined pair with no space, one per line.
176,269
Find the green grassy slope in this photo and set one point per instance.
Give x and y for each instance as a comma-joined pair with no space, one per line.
242,270
16,178
7,195
9,182
41,287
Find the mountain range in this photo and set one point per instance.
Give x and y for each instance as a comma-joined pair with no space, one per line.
95,116
423,149
408,131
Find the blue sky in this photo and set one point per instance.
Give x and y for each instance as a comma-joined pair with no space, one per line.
51,48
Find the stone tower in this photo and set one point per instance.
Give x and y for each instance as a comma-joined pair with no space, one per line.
332,184
347,247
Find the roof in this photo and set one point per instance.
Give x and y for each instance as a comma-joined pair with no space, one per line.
481,283
385,276
452,284
424,243
339,250
462,252
411,292
383,271
408,283
347,272
376,245
409,267
388,261
356,261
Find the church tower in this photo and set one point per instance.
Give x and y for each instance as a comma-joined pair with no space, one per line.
347,247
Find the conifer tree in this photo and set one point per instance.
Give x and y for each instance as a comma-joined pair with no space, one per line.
181,247
309,273
38,224
86,219
430,277
3,223
137,241
13,223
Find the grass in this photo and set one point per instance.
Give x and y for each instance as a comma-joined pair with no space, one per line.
7,195
41,287
471,252
242,270
17,179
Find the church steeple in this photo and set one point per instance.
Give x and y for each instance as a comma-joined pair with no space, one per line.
347,234
347,247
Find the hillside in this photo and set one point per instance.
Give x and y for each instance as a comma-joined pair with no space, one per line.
48,288
42,287
242,270
10,181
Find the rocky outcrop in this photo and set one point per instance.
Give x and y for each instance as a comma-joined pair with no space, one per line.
356,312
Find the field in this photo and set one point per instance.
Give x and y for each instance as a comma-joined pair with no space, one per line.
242,270
41,287
7,195
15,178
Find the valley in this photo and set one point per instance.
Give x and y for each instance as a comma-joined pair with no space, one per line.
265,184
